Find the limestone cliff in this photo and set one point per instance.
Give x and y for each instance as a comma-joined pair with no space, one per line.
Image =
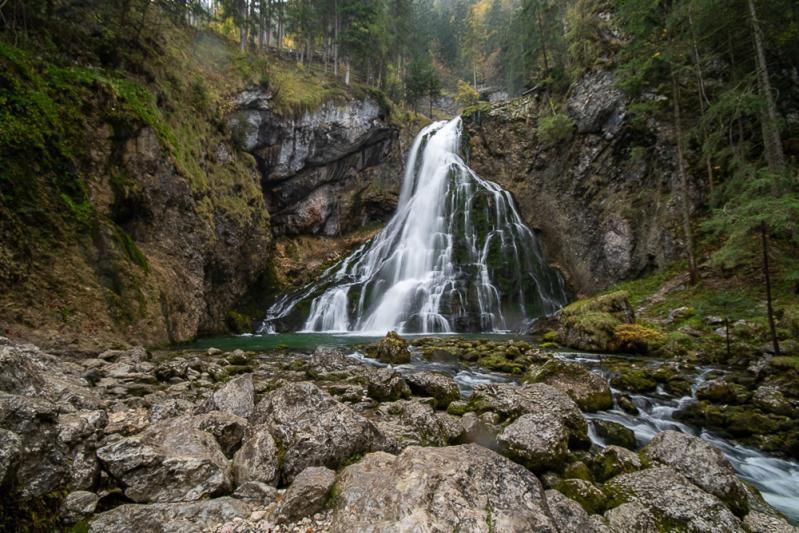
605,199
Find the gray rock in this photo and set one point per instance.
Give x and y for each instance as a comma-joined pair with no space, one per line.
255,491
393,349
480,430
674,500
631,518
384,384
701,463
537,440
614,433
409,422
78,505
771,400
614,460
307,494
170,408
10,449
182,517
227,429
568,514
439,386
759,522
128,421
461,488
257,459
588,389
596,103
168,462
236,397
312,428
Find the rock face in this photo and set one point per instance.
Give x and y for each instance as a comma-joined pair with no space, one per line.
312,428
237,397
170,461
605,202
674,500
440,489
700,462
319,168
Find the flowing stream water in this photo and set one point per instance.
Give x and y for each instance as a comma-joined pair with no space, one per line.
456,256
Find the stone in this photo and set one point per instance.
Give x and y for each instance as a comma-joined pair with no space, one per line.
256,491
169,461
214,351
78,505
591,324
183,517
615,433
627,405
453,488
631,518
771,400
312,428
722,391
307,494
597,105
384,384
673,500
436,385
614,460
759,522
588,389
10,449
170,408
257,459
236,397
409,422
128,421
227,429
568,514
537,440
583,492
701,463
393,349
480,431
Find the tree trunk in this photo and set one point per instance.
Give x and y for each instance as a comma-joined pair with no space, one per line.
702,101
769,122
243,26
336,27
686,214
767,278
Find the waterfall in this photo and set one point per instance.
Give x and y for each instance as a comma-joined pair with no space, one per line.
456,256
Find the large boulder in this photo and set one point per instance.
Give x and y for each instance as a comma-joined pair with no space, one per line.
383,384
456,488
311,428
168,462
568,514
393,349
591,324
236,397
545,422
306,495
191,517
409,422
588,389
631,518
676,503
257,459
700,462
435,385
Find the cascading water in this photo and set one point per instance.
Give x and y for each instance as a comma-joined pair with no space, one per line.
456,256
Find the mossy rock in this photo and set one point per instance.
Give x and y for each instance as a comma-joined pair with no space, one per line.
578,470
238,323
614,461
588,390
636,338
723,392
592,499
615,433
393,349
591,324
635,380
458,408
627,405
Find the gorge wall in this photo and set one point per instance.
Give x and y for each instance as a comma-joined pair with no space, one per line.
605,201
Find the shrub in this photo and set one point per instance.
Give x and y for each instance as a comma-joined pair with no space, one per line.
637,338
555,129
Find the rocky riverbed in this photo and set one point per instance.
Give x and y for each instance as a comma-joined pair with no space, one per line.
132,440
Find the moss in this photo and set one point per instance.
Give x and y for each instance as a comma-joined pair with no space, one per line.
637,338
585,493
458,408
233,370
578,470
635,380
131,250
238,322
550,336
33,515
555,129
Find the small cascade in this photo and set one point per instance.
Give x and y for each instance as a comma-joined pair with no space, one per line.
456,256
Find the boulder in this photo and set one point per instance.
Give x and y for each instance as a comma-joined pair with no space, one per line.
482,430
537,440
722,391
597,105
568,514
227,429
591,324
456,488
675,502
257,459
631,518
184,517
614,460
168,462
588,389
236,397
307,494
10,449
393,349
409,422
583,492
435,385
614,433
78,506
384,384
771,400
759,522
255,491
701,463
312,428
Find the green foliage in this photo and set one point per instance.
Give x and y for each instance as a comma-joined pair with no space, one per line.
556,129
467,95
131,250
